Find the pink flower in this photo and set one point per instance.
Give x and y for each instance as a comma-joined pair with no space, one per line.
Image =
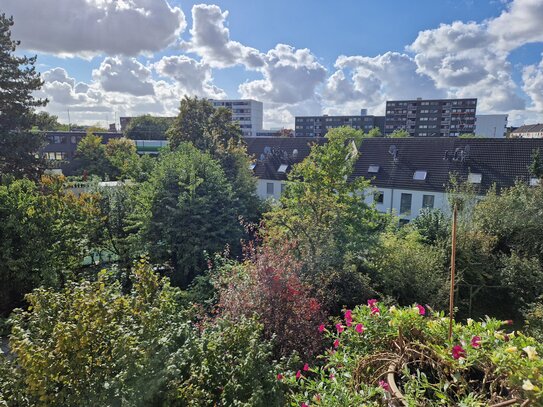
384,385
339,328
458,352
279,376
476,342
336,343
306,367
372,302
304,405
318,397
298,374
321,328
348,314
331,376
422,310
375,310
359,328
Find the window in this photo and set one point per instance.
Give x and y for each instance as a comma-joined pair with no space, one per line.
74,139
282,169
428,201
55,156
378,197
269,188
475,178
420,175
405,204
373,168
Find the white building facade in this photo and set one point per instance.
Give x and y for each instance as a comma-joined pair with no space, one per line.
248,113
491,125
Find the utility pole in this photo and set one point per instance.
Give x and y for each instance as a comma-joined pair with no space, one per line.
453,267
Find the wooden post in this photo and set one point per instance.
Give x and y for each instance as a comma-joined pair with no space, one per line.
453,263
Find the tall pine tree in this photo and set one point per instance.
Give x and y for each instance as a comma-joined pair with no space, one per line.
18,80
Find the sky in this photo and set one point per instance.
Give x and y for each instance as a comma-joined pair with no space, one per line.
102,59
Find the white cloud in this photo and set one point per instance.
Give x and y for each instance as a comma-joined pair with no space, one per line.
290,76
211,40
519,24
532,78
125,75
195,78
91,27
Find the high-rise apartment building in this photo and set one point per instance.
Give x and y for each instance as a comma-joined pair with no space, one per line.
491,125
431,118
248,112
318,126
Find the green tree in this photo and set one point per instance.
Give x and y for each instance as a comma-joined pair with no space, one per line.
398,134
187,208
536,166
18,81
44,232
374,132
211,130
91,156
122,156
323,210
45,121
148,127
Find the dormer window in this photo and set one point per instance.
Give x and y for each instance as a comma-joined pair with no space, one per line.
373,168
475,178
420,175
282,169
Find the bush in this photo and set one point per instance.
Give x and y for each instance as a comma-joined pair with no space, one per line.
268,285
481,365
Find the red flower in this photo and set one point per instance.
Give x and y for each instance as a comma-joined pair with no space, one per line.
458,352
279,376
321,328
476,342
422,310
298,374
375,310
339,328
348,314
306,367
372,302
304,405
384,385
359,328
336,343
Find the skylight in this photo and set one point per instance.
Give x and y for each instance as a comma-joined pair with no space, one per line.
420,175
282,168
475,178
252,166
373,168
534,182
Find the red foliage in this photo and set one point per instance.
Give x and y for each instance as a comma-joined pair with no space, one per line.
268,286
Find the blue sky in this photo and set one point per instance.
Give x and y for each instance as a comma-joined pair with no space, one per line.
123,57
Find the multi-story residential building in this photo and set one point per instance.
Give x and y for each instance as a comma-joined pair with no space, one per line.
407,174
248,113
431,118
318,126
528,131
491,125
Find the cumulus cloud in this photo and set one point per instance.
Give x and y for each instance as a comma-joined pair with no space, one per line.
211,40
532,78
125,75
290,76
194,77
91,27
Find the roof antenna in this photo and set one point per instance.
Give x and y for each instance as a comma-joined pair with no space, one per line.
393,151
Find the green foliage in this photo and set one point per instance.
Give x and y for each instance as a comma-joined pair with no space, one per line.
374,132
432,225
187,208
228,364
536,166
122,156
148,127
92,343
91,156
43,235
398,134
482,364
533,315
45,121
404,267
323,212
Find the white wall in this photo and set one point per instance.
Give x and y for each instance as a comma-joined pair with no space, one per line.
262,188
491,125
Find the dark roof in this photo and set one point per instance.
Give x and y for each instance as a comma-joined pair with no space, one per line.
499,161
529,128
270,153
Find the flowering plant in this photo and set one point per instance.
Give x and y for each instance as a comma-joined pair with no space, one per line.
401,356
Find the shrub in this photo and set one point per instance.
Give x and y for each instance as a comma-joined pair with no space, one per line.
268,285
482,364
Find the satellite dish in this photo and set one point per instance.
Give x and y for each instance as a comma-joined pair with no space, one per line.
262,157
393,151
295,153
